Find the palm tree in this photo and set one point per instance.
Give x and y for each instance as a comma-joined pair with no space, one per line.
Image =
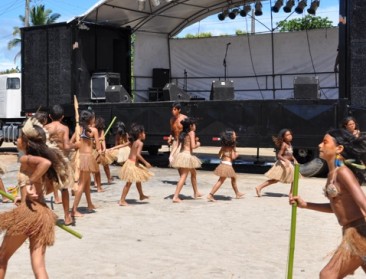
38,16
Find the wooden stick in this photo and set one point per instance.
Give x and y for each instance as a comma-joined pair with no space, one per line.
60,225
293,224
110,126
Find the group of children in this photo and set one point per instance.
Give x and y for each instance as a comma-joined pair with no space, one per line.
51,162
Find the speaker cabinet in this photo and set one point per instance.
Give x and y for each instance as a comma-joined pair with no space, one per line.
160,77
222,90
99,83
306,87
117,94
156,94
172,92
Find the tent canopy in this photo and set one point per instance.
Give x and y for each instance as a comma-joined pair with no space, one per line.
169,17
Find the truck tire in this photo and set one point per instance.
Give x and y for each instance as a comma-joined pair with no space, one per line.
313,168
304,155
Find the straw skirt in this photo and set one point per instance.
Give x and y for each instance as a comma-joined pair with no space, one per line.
88,163
225,170
33,219
186,160
281,173
130,172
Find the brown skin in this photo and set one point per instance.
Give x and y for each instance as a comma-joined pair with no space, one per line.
59,134
351,127
35,167
348,206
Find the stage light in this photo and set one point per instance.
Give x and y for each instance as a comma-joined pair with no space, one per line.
233,13
258,8
300,6
314,5
277,6
288,6
222,15
246,9
155,3
141,4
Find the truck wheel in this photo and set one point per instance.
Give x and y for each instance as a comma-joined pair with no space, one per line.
315,167
304,156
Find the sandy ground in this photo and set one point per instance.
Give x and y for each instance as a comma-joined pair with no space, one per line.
246,238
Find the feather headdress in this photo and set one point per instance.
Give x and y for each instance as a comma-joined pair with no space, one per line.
28,128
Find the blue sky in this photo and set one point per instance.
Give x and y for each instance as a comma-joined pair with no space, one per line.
11,9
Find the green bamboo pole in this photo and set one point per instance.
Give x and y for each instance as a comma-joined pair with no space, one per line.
110,126
60,225
293,224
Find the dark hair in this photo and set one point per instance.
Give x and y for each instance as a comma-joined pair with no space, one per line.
99,123
177,105
135,131
227,138
85,117
121,129
186,123
56,112
348,119
279,139
41,116
354,149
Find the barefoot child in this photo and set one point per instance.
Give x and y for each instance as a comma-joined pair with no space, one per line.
185,161
227,155
131,170
283,169
40,168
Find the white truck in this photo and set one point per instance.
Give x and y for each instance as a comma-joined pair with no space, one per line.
10,107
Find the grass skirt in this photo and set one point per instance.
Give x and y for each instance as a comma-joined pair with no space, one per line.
130,172
103,159
281,173
33,219
186,160
224,170
175,149
88,163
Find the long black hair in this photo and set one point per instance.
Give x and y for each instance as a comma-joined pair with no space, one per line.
186,123
227,138
135,131
85,117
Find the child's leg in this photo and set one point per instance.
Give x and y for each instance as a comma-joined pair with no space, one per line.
66,206
7,249
125,191
139,189
196,193
98,181
264,184
183,177
108,174
38,261
238,194
78,193
87,192
57,197
2,187
216,187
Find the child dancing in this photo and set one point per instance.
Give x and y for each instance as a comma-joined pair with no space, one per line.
227,155
40,168
283,169
132,171
185,161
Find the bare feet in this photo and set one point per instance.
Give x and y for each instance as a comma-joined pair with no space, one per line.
76,214
123,203
58,201
68,220
198,196
5,200
100,190
258,191
239,195
92,207
110,181
177,200
211,198
143,197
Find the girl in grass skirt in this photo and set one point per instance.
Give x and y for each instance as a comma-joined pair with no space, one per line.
121,149
132,171
283,169
185,161
227,155
40,168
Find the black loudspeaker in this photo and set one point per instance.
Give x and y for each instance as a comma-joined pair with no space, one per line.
171,92
306,87
160,77
222,90
117,94
156,94
99,83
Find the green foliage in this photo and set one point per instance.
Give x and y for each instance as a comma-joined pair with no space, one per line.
199,35
239,32
10,71
305,23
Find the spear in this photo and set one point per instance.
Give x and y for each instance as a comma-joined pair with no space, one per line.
293,224
110,126
60,225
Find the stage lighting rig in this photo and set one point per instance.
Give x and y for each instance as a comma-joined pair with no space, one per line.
258,8
246,9
233,13
313,7
277,6
288,6
222,15
300,6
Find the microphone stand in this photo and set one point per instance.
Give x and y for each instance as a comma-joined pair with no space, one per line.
224,62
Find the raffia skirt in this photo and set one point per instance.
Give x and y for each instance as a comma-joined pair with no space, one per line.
225,170
33,219
88,163
103,159
130,172
353,243
186,160
281,173
175,149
